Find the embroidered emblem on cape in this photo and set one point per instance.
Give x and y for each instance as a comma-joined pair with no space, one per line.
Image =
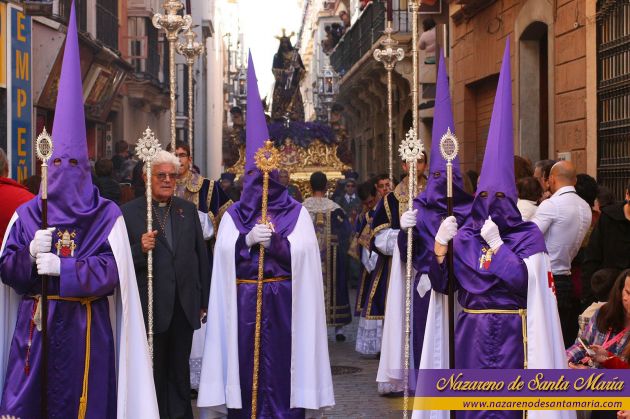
65,245
486,258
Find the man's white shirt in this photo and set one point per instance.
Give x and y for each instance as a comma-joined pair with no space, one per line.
564,219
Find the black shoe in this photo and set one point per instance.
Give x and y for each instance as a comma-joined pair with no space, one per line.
340,337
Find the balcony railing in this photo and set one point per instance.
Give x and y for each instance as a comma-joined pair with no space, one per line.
107,22
366,31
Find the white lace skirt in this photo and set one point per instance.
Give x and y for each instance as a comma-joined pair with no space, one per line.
196,354
369,335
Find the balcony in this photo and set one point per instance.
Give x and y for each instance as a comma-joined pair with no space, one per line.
365,33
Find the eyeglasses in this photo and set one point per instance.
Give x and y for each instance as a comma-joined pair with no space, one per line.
182,154
351,185
162,176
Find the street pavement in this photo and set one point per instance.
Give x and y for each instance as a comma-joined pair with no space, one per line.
356,393
354,380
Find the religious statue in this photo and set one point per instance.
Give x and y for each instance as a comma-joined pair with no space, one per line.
288,71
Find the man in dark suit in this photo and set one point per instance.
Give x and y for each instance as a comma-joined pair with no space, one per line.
181,281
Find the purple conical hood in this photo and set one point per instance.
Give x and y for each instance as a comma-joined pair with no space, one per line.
497,172
73,201
431,204
255,126
282,210
496,193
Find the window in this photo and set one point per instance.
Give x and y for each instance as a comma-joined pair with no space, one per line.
137,43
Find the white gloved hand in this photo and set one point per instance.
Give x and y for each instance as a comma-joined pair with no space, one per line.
48,264
490,233
408,219
447,230
261,233
42,242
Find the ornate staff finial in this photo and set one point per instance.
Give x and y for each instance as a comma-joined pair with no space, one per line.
148,146
44,146
411,147
449,147
389,55
267,157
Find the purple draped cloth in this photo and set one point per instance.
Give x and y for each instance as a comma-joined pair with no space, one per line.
89,276
274,379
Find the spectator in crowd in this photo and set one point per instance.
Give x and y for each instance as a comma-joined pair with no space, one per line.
522,168
383,185
608,329
586,188
137,181
602,282
604,198
345,20
609,245
529,193
107,186
564,219
12,194
349,201
541,172
228,186
328,43
32,183
285,179
122,153
427,40
473,176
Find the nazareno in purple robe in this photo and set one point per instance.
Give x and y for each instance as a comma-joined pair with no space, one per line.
274,385
431,205
88,270
492,340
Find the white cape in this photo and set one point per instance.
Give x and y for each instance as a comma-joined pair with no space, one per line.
545,347
311,380
390,366
136,390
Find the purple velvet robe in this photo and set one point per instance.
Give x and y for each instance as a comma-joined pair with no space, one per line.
91,276
274,379
489,340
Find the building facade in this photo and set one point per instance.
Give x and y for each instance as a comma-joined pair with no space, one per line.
571,88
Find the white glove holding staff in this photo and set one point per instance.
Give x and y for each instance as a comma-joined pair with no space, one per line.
261,233
41,243
408,219
490,233
48,264
447,230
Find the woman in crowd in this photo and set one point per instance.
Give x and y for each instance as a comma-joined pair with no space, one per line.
607,333
529,193
608,329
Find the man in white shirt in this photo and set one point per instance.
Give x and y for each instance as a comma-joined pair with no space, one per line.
564,219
